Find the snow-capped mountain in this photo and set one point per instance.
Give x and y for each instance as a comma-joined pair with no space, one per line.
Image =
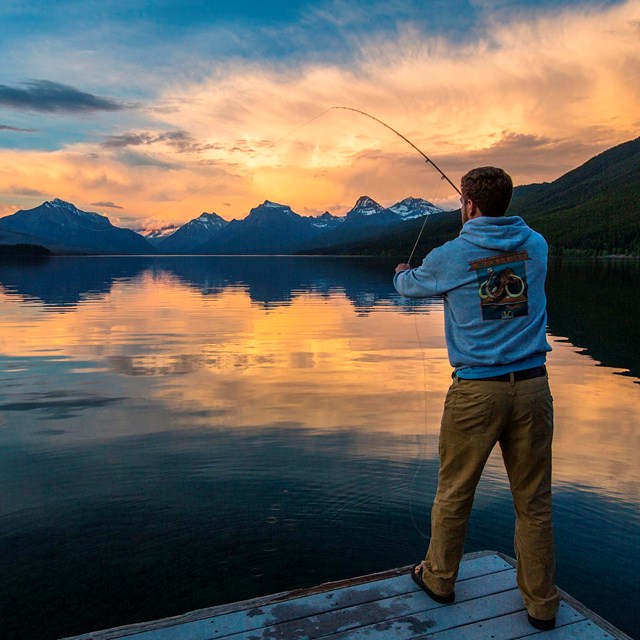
365,206
326,221
192,234
56,213
410,208
368,211
61,226
157,235
367,219
268,206
275,228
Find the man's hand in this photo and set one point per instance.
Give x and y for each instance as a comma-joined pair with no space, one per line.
403,266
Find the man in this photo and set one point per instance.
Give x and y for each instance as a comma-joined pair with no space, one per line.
492,279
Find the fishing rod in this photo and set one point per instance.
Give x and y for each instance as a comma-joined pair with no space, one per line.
428,160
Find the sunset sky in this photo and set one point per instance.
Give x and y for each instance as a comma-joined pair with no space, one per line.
154,111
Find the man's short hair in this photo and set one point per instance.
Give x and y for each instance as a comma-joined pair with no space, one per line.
490,188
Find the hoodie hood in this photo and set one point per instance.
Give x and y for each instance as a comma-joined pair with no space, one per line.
497,234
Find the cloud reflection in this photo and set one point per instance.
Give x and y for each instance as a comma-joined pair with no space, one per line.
299,352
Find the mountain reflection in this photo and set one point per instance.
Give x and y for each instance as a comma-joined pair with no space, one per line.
61,283
275,281
592,303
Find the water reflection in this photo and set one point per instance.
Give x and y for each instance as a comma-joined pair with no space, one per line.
165,421
595,305
591,302
65,282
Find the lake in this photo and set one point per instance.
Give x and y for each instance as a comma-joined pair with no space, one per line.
182,432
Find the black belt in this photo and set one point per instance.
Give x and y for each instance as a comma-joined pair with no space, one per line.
525,374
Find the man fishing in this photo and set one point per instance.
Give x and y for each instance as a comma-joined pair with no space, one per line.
492,280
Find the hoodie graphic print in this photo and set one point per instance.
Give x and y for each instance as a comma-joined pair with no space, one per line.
491,278
502,285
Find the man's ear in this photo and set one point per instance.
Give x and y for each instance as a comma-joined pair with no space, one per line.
473,210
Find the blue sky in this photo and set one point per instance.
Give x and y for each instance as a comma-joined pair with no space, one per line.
191,85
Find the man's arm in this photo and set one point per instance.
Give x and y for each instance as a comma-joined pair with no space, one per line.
421,282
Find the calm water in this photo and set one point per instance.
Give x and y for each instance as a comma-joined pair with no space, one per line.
177,433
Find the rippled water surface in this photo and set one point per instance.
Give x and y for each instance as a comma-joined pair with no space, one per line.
177,433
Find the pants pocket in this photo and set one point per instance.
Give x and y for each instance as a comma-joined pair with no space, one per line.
468,412
542,418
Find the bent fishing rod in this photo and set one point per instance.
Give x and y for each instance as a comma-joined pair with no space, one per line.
428,160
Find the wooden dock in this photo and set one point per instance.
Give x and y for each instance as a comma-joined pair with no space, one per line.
382,606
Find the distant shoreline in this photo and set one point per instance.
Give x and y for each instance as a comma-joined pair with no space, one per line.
615,256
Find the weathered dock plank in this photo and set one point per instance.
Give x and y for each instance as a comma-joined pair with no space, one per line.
507,627
420,623
384,606
348,621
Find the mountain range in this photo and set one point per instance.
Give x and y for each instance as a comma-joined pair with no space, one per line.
269,228
590,210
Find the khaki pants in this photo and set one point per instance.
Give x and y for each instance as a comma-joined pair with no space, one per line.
518,415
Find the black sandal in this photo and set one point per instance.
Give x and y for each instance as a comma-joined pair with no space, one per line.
417,578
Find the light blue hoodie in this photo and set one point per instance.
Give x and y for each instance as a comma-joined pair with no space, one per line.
492,280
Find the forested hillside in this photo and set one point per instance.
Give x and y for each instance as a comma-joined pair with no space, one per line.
592,209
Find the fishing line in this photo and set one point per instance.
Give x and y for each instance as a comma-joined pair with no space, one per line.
423,450
423,224
428,160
